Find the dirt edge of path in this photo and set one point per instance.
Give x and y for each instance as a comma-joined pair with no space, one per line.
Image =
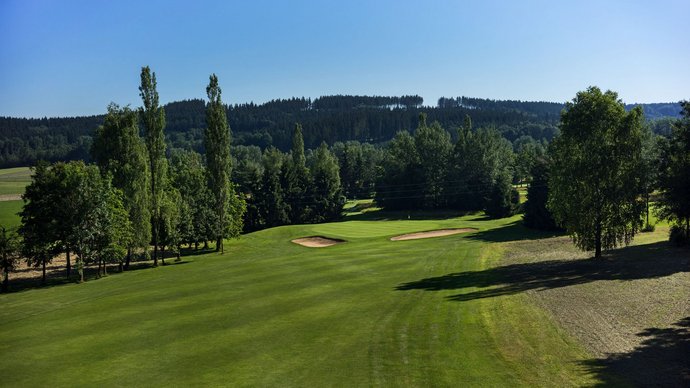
432,233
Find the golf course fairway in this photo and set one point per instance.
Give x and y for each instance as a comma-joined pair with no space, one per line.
272,313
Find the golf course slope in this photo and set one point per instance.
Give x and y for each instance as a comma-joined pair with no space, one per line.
269,312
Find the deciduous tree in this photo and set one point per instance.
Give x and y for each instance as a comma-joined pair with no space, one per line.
326,193
120,152
153,118
225,203
595,187
675,179
10,253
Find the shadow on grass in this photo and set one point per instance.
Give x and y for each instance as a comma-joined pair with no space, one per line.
514,231
637,262
662,359
56,276
400,215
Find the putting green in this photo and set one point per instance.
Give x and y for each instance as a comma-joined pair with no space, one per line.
272,313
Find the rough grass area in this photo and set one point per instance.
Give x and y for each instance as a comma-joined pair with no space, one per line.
272,313
631,310
9,210
14,180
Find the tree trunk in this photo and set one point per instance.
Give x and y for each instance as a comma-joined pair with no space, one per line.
219,245
43,277
597,242
69,263
179,248
206,245
105,268
196,245
154,221
80,267
647,204
98,275
163,254
128,259
5,281
155,254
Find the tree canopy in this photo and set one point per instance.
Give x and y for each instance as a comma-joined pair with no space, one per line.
595,186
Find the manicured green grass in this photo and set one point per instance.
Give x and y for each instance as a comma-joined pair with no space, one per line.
8,213
272,313
14,180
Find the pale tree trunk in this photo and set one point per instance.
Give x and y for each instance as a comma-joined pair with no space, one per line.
80,267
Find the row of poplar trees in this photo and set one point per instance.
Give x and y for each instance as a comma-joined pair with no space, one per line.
133,197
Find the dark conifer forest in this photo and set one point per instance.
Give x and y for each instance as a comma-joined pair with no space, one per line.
330,119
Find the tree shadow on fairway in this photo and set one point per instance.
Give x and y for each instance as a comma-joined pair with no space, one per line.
637,262
58,277
56,273
662,359
514,231
401,215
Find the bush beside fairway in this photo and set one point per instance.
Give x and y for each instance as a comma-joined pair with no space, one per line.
270,312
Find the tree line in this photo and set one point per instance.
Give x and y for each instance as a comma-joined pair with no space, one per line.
595,180
366,119
132,198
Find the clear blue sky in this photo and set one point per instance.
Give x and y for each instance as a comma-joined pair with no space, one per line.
62,58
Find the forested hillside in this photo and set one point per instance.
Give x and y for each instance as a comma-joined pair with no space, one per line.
371,119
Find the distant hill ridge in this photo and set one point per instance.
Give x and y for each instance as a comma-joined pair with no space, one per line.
373,119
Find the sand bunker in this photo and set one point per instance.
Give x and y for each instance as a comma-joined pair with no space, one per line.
431,233
317,241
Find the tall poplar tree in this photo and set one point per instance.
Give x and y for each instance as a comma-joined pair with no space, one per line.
119,151
595,187
297,180
153,117
225,203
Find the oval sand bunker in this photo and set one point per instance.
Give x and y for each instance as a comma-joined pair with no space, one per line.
317,241
431,233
